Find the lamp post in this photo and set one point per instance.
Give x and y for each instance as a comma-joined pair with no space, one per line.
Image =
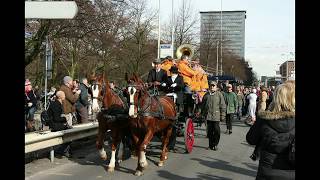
172,40
217,65
159,31
221,37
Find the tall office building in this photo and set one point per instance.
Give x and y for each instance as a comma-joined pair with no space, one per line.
233,31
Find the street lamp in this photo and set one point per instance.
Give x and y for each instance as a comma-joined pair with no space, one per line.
159,31
221,37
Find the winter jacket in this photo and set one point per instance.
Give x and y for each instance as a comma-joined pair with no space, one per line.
231,102
83,97
30,97
213,106
187,72
57,121
71,99
273,132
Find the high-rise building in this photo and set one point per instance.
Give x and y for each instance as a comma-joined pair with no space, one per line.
287,70
233,31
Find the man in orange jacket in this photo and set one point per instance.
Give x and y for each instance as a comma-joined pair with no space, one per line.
187,73
166,64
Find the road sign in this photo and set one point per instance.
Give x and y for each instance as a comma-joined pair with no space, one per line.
50,10
165,50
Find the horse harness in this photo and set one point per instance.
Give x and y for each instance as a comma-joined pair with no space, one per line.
147,112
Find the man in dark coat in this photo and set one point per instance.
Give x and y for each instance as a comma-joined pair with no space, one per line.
213,110
273,132
82,103
175,85
58,122
157,77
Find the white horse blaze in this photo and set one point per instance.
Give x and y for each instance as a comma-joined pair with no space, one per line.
131,108
95,94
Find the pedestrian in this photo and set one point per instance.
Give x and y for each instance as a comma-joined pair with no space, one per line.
231,101
71,98
274,132
214,111
241,102
30,106
82,102
263,99
58,122
252,97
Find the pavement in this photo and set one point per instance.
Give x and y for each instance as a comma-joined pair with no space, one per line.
231,161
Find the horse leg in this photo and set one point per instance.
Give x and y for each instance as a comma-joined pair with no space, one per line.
143,148
137,143
100,138
135,150
115,143
165,141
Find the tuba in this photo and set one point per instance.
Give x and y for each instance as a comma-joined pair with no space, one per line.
185,49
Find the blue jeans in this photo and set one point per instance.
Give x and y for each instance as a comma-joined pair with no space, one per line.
30,113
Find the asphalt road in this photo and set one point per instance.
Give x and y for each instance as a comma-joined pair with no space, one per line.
231,161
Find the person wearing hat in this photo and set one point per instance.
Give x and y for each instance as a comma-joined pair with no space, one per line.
71,98
232,106
213,110
30,105
166,64
157,77
175,85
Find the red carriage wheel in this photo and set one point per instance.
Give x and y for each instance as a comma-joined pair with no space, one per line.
189,135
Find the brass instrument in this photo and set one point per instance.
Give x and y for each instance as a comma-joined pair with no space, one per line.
185,49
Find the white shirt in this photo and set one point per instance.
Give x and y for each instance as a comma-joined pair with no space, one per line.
173,77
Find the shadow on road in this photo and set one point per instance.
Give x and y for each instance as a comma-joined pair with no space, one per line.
169,175
224,165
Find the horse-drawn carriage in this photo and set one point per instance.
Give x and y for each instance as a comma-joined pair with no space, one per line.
143,116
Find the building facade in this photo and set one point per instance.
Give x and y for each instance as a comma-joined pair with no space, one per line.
287,70
233,31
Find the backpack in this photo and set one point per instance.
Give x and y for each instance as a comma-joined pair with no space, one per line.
292,150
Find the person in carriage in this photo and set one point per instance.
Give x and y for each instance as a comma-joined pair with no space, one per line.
157,78
167,63
175,87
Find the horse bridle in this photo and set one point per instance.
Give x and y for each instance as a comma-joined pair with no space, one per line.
144,111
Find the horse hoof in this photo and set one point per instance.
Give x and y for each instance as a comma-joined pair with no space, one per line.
110,169
138,173
120,160
160,164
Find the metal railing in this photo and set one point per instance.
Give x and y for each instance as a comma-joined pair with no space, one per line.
44,139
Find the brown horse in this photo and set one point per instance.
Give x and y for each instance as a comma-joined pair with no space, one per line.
149,115
113,116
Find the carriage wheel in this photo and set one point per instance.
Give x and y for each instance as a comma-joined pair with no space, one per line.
189,135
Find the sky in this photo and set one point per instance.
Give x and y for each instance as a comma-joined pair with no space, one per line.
269,28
